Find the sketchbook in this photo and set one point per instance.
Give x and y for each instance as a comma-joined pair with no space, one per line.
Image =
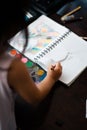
50,42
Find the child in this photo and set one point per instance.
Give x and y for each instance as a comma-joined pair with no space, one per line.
14,76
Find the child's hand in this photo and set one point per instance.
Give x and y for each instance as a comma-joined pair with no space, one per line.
54,71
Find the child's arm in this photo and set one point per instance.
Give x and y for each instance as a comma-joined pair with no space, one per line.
22,83
53,74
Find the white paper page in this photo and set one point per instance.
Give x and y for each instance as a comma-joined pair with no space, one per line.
51,23
74,44
42,33
57,54
72,68
71,65
76,61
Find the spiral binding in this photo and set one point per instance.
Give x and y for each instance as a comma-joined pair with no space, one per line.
52,46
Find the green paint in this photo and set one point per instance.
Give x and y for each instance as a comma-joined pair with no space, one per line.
29,64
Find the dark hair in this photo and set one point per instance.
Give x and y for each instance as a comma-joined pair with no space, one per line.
12,14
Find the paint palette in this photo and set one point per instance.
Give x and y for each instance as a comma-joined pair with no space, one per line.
36,72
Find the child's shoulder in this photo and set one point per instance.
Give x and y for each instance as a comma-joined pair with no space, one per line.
16,70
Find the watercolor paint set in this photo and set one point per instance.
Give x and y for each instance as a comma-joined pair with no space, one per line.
36,72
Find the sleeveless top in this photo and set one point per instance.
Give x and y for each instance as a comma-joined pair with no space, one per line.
7,116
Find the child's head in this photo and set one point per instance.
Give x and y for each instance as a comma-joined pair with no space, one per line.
11,19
